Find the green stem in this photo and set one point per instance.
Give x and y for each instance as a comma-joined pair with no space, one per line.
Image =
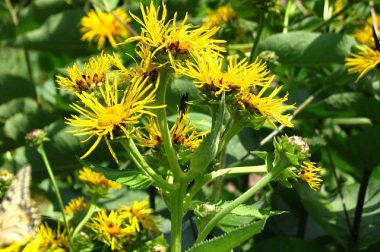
286,18
139,160
232,129
41,150
163,125
177,212
241,199
258,35
227,171
85,219
328,21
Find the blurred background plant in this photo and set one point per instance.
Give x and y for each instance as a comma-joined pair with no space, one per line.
305,44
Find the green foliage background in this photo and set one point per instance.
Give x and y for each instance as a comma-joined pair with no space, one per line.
340,121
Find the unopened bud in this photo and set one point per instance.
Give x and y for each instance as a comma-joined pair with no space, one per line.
36,137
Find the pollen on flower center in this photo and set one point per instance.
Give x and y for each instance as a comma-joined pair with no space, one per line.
113,115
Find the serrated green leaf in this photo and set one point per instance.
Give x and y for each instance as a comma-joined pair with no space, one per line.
132,178
231,239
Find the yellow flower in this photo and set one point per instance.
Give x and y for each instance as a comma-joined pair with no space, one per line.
310,173
267,106
76,205
153,138
362,62
221,15
365,34
172,39
93,75
207,70
184,134
110,229
138,213
102,116
144,68
51,240
5,176
101,26
97,179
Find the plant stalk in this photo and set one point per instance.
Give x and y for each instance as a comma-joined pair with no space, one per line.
177,213
242,198
41,150
359,209
164,128
139,160
85,219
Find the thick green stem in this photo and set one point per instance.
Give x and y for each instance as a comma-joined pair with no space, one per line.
163,125
139,160
241,199
177,212
85,219
41,150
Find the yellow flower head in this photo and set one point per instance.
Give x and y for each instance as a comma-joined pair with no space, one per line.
5,176
76,205
153,138
221,15
139,213
207,70
172,39
97,179
267,106
183,133
93,75
365,34
101,116
310,173
110,229
52,240
144,68
100,26
362,62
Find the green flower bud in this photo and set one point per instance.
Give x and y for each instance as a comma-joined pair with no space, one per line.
36,137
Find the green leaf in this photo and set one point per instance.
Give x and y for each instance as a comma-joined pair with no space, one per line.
243,214
327,210
12,86
231,239
59,33
288,244
309,48
134,179
26,105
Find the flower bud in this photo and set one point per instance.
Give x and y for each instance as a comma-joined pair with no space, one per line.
36,137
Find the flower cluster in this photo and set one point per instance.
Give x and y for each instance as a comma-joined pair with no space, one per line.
182,133
172,40
121,226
